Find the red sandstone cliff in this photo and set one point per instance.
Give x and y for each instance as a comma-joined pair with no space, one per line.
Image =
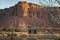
27,14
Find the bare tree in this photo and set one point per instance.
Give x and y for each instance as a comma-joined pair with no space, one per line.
58,1
49,3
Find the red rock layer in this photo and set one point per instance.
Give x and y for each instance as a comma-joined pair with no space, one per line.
28,14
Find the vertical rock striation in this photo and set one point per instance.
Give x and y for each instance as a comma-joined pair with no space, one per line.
27,14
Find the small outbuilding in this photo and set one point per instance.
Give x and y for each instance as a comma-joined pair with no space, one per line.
32,29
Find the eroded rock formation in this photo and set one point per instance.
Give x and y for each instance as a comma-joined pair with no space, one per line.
27,14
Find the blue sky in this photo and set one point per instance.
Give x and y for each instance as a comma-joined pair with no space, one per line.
8,3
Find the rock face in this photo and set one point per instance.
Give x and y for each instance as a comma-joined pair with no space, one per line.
28,14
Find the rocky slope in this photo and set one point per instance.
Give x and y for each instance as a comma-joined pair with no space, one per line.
28,14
